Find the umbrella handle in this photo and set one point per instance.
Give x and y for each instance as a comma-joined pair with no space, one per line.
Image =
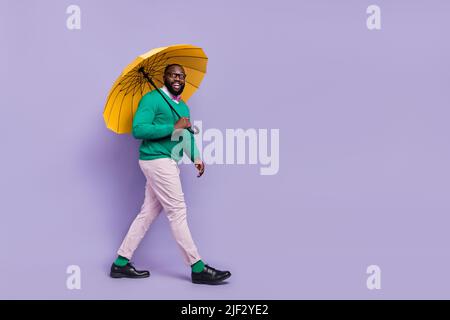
193,130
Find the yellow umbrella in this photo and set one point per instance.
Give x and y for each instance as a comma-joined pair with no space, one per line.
145,74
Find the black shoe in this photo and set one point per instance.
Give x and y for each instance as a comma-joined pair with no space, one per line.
210,275
127,271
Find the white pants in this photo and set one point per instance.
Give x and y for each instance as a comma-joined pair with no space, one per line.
162,191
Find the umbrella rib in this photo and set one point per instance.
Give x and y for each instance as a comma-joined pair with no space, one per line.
149,63
132,105
162,57
191,67
157,61
196,57
137,86
157,82
178,49
160,66
130,82
140,87
133,83
196,87
110,111
188,66
150,88
120,110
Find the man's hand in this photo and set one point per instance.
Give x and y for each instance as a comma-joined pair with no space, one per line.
182,123
200,165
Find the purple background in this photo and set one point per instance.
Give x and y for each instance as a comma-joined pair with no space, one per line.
364,149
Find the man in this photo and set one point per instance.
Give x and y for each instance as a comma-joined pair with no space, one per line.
155,123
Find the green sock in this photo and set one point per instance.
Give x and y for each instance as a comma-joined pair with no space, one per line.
198,266
121,261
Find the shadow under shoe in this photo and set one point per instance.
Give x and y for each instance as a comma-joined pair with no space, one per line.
128,271
210,275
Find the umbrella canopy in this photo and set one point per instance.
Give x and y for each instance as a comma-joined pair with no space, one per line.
135,81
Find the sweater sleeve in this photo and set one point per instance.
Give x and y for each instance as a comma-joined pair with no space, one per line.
189,146
143,127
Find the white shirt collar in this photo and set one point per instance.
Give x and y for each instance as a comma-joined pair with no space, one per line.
166,91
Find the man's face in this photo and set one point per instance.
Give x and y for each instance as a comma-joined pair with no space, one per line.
174,80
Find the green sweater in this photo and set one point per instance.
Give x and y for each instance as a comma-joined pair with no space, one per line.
154,123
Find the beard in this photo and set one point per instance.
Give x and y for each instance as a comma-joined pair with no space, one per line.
171,90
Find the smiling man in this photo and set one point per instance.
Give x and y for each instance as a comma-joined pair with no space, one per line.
155,123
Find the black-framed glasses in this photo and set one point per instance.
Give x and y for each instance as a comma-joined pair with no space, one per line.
175,75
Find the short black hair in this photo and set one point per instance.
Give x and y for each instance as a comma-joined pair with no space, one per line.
172,65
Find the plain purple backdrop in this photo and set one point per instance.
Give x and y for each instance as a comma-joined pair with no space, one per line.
364,149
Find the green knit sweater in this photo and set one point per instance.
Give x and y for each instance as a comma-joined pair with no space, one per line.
154,123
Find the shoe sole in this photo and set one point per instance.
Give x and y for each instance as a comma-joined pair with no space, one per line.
121,275
209,282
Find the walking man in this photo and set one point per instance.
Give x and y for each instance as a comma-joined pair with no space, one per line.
157,125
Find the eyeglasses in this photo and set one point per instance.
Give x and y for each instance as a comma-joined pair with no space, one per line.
175,75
